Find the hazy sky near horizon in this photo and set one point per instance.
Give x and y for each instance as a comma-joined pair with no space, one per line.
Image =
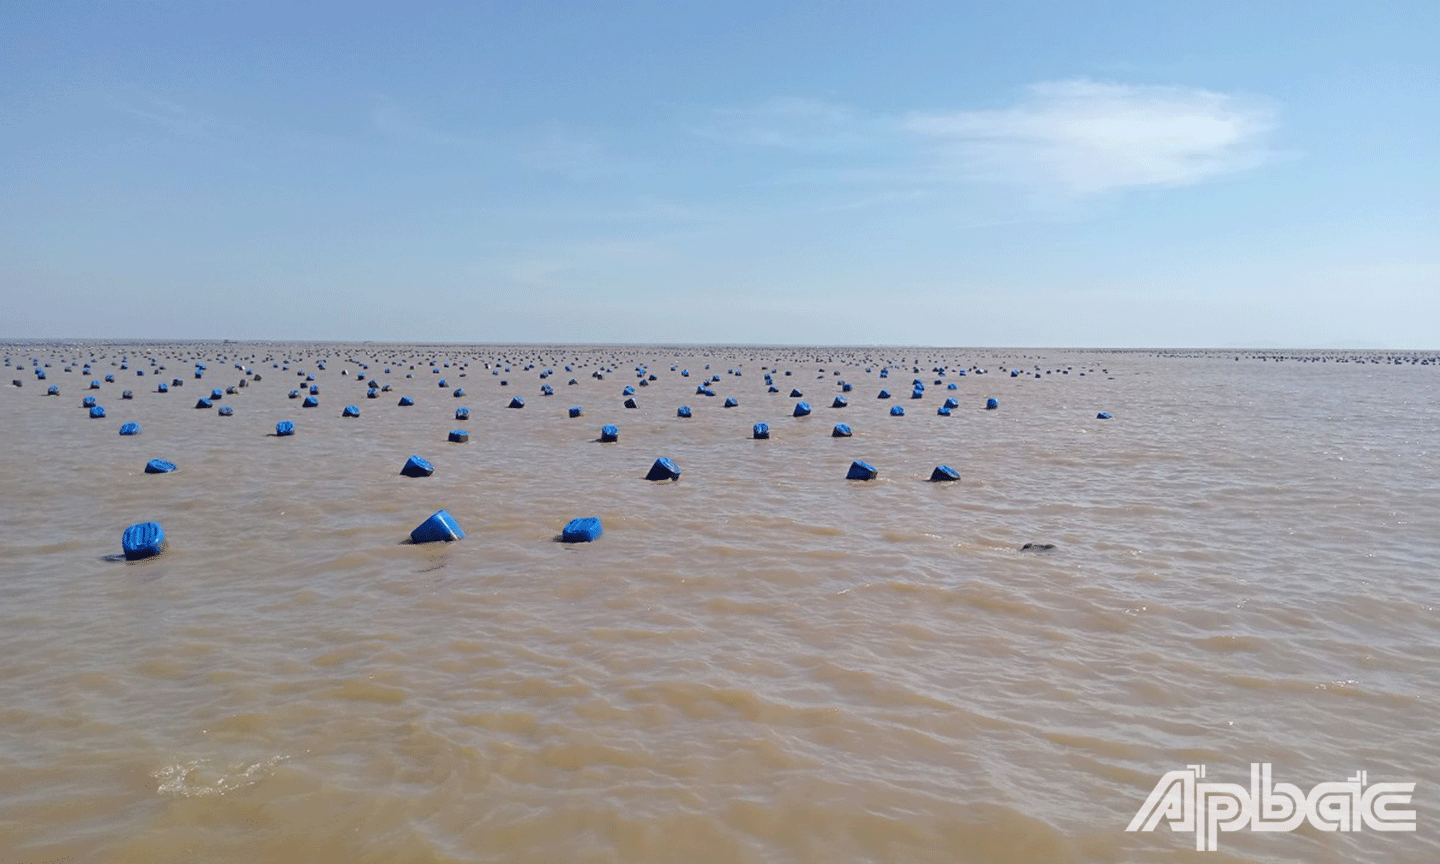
941,173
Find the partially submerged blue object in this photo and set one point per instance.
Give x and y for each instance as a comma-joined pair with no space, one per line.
440,527
801,409
897,411
459,436
310,402
762,431
841,430
417,467
405,402
862,471
226,411
884,394
575,411
943,410
283,428
683,411
663,469
130,429
1103,415
143,540
87,402
203,403
992,403
462,413
159,466
609,434
582,530
350,411
630,403
795,392
97,412
839,402
943,473
517,402
731,402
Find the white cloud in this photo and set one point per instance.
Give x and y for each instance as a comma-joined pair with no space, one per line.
1080,138
1062,139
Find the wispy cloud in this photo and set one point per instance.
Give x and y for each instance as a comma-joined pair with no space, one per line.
170,115
1082,138
391,118
794,124
556,265
1060,140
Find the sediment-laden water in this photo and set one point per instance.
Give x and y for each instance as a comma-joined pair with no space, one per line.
760,662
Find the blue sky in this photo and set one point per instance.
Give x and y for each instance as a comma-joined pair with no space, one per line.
1063,174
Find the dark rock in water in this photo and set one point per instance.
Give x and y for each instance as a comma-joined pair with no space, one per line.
159,466
841,430
1037,547
226,411
609,434
459,436
761,431
284,428
683,411
130,429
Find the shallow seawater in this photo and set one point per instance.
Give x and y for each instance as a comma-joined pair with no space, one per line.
760,662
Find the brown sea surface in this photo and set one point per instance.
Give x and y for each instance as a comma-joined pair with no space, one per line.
760,662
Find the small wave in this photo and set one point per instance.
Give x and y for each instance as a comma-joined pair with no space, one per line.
202,778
